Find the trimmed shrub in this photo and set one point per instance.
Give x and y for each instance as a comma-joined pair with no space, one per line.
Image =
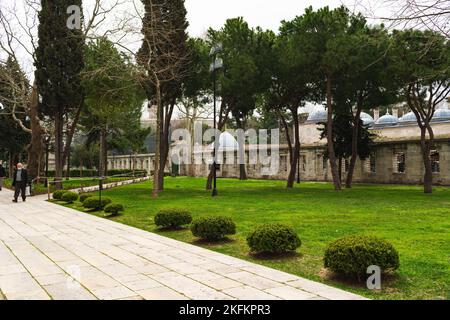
69,197
353,255
57,195
213,228
172,218
114,208
84,196
94,203
273,238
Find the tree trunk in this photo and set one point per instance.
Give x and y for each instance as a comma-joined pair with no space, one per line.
68,167
71,133
330,142
58,149
36,147
426,155
164,153
355,135
296,151
159,116
241,153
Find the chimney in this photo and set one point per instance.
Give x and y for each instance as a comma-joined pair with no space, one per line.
376,114
395,112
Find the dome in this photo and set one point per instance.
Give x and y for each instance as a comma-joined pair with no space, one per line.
318,115
441,115
226,142
366,119
408,117
387,120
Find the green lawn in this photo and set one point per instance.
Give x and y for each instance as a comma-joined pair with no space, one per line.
417,224
72,183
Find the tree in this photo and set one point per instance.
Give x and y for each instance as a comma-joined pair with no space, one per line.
59,61
195,102
420,68
244,75
84,156
326,34
362,84
164,58
292,84
113,98
343,136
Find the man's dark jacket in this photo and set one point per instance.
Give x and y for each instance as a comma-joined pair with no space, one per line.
24,176
2,172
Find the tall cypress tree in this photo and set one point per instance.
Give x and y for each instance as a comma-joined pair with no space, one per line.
59,61
164,56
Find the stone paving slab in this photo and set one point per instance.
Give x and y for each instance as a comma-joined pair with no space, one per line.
52,252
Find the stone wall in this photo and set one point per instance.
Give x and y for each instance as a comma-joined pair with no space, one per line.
313,166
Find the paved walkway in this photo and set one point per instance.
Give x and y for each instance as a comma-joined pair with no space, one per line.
51,252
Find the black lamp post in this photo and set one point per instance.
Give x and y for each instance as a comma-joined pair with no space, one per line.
216,64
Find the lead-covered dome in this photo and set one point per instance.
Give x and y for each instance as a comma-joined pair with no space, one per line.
366,119
441,115
387,120
408,117
227,142
318,115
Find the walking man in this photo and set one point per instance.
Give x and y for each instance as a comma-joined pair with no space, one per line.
2,175
20,179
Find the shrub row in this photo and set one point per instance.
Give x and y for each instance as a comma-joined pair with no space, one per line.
84,196
350,255
69,197
94,203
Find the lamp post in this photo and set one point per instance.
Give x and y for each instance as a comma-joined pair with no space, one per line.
215,65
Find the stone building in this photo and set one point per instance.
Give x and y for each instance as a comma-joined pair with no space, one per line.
396,159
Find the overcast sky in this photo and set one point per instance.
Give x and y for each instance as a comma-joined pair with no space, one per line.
267,14
203,14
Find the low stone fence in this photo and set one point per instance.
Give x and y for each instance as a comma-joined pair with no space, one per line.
110,185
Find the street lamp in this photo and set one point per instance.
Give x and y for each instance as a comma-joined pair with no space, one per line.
215,65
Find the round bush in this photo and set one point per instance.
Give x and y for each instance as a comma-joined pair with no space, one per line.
353,255
213,228
94,203
84,196
114,208
57,195
273,238
172,218
69,197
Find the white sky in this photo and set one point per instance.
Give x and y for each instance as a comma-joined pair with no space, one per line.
267,14
202,14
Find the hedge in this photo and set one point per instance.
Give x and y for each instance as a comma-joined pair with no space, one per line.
213,228
69,196
273,238
172,218
354,254
114,208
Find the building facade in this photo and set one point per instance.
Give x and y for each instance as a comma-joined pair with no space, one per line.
396,158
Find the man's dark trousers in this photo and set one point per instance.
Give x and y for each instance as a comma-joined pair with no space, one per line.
20,187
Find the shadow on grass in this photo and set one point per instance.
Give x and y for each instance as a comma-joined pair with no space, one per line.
171,229
388,280
212,243
276,256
